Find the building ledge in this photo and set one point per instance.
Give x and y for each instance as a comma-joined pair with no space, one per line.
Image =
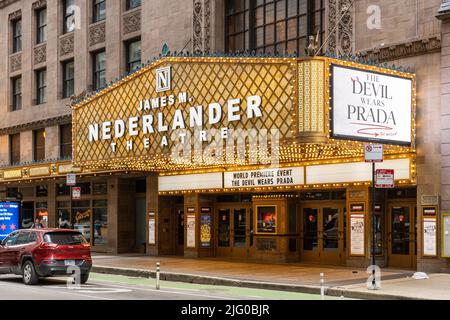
63,119
444,11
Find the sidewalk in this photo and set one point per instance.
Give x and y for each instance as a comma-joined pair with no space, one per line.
339,281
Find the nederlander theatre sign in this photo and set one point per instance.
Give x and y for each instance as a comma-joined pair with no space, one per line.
243,114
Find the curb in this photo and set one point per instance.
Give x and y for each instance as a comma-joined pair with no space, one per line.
218,281
353,294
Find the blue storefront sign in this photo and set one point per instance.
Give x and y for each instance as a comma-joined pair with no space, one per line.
9,218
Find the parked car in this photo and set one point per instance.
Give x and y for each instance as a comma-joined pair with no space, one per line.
36,253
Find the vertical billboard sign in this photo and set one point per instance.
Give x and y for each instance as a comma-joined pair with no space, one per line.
429,231
190,233
371,106
357,234
205,227
9,218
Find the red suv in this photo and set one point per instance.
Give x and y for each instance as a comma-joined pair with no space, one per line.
35,253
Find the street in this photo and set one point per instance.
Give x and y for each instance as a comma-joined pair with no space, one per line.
112,287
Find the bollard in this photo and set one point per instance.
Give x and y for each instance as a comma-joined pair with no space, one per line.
157,276
322,289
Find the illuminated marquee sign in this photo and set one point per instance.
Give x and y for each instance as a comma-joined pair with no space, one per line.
182,105
182,113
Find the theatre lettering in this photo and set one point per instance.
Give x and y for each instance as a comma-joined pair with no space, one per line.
147,121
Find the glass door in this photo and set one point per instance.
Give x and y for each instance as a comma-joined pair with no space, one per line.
402,236
239,231
224,232
310,252
233,231
323,234
329,235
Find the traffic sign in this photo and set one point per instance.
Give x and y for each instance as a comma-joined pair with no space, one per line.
71,179
384,178
373,153
76,193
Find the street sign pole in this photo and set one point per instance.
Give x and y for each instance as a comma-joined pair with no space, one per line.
374,226
373,153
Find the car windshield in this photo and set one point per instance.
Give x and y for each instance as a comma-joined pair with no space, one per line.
64,238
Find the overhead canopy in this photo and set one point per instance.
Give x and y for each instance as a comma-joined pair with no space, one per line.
184,113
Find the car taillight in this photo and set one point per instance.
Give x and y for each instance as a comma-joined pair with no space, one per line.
48,245
86,245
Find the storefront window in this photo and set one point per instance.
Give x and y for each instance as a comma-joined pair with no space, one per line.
41,191
100,210
62,189
64,218
42,213
81,219
99,188
266,219
85,188
27,214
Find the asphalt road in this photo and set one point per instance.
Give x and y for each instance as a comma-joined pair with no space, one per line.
112,287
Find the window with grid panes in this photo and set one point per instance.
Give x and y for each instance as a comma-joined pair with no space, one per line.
272,26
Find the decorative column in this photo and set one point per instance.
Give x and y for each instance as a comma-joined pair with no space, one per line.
340,27
201,38
153,230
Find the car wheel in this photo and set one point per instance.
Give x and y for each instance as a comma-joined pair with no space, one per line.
29,275
84,278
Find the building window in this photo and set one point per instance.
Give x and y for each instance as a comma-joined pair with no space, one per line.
272,26
14,149
100,222
68,79
41,30
69,16
17,35
99,70
16,94
39,145
65,139
99,10
41,83
133,55
42,213
131,4
41,190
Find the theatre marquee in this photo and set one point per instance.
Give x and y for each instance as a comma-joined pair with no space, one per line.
192,113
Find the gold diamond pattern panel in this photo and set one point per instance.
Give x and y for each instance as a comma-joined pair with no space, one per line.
205,81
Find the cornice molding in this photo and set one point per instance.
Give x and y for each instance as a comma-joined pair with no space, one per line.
65,119
15,15
5,3
402,50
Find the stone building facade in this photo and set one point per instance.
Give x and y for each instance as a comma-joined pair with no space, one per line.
410,33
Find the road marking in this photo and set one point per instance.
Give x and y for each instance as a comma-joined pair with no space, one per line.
47,288
92,289
175,292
